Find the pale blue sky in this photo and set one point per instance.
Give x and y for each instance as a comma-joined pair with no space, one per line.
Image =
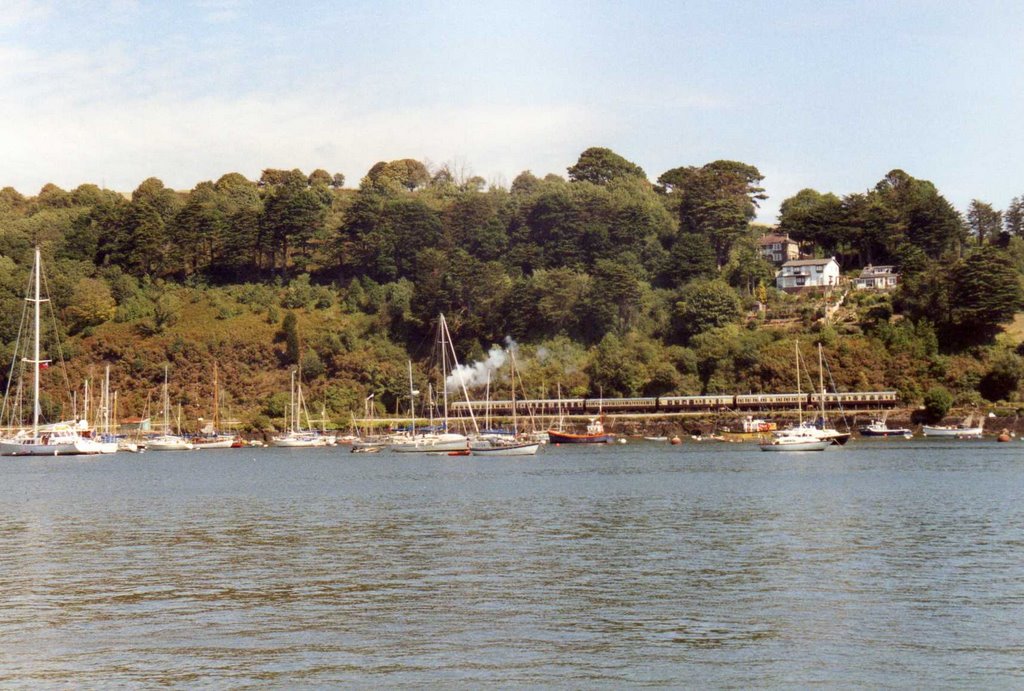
824,95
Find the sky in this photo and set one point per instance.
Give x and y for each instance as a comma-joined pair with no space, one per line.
827,95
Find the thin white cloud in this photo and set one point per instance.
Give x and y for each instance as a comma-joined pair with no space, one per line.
219,11
15,13
184,143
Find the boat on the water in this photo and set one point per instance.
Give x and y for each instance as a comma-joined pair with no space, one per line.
595,434
59,439
443,441
507,449
878,428
795,442
819,429
952,431
210,437
168,441
802,437
296,437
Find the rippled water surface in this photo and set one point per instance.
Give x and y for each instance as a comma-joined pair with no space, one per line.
881,564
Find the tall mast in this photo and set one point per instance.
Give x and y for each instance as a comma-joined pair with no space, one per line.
821,383
167,405
512,371
106,401
487,398
462,380
412,402
294,426
35,353
800,406
216,401
443,329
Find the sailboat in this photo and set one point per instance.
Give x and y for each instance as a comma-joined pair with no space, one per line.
296,437
62,438
444,441
105,438
499,446
820,429
801,437
168,441
210,437
595,433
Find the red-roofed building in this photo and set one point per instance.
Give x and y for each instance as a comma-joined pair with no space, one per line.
778,249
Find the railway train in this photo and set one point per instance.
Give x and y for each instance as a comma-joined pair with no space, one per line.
683,404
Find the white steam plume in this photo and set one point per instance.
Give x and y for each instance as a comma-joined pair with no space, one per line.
476,374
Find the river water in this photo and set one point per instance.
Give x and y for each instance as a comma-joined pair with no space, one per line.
881,564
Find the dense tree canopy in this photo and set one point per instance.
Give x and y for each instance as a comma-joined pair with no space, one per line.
655,284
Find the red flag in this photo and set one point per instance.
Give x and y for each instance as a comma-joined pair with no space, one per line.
44,365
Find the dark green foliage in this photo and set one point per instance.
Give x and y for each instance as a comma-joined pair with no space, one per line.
600,166
717,200
1013,218
293,213
888,224
601,260
702,306
1003,377
692,256
986,224
290,335
985,292
937,402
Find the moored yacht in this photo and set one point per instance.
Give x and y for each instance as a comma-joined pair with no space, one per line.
59,439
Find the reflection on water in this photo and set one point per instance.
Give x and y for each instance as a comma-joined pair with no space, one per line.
894,563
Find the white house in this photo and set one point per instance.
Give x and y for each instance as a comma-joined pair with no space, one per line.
778,248
877,278
801,274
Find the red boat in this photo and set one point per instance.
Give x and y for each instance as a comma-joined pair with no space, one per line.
595,435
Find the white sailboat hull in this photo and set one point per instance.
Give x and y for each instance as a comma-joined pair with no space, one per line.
35,447
168,443
785,445
507,450
959,432
298,441
441,442
213,443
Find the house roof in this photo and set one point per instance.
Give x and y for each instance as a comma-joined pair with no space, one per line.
774,238
809,262
874,271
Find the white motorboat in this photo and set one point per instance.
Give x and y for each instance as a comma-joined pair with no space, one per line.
879,428
507,449
952,431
